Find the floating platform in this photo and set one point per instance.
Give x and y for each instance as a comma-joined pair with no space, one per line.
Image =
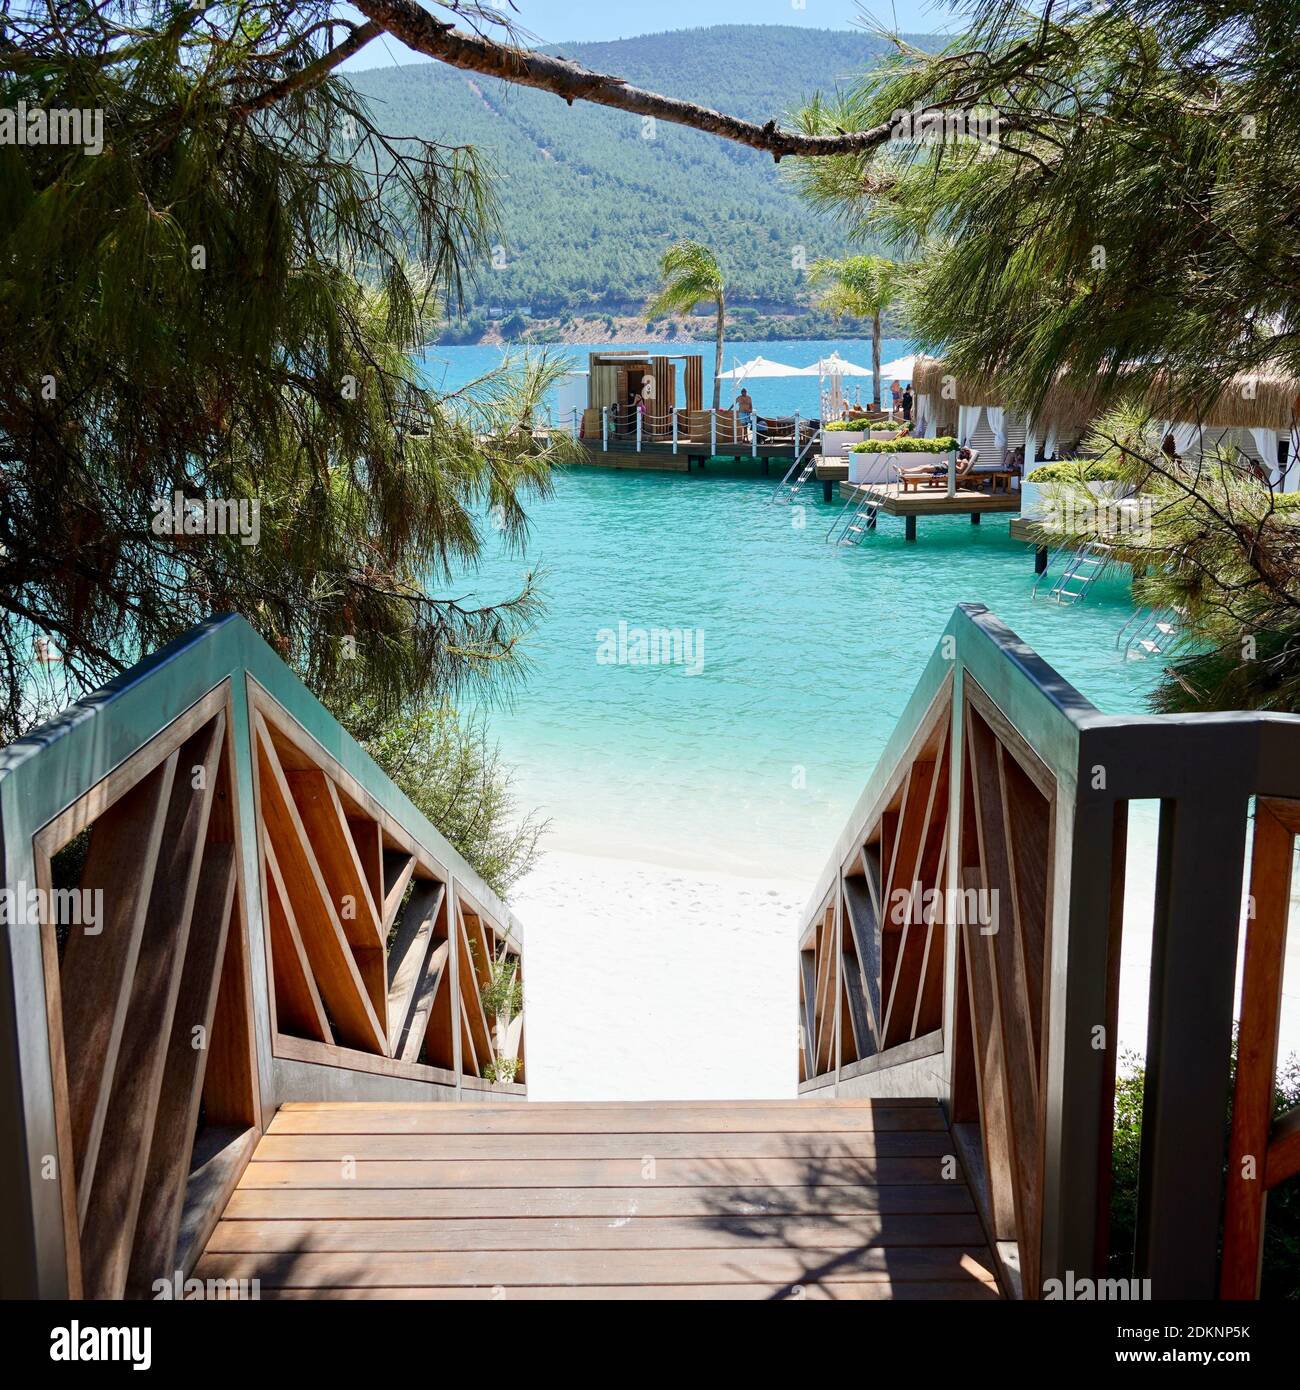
892,500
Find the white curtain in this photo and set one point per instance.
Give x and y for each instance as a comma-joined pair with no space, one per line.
1187,437
1049,444
998,424
921,416
1266,442
968,418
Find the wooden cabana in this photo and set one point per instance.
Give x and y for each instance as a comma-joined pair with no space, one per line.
615,380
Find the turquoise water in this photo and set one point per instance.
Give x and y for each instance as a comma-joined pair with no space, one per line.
809,654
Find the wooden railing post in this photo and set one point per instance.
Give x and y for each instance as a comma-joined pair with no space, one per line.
1082,1010
1263,971
1189,1042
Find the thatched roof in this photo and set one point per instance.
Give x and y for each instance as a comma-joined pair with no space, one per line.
1270,399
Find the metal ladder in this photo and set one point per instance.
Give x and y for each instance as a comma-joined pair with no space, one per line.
853,520
785,490
1150,632
1084,567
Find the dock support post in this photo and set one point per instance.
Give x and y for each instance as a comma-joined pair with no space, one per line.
604,428
974,518
713,432
909,528
638,431
827,494
1040,559
674,431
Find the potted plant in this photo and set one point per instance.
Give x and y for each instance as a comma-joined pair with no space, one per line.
839,436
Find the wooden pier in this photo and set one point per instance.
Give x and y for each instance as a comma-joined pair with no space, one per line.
893,501
695,455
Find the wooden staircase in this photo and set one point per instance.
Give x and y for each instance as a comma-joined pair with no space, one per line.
848,1199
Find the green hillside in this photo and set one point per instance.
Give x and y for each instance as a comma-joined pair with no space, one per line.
590,202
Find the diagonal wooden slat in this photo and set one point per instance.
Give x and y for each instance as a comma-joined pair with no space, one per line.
928,1011
398,868
468,1052
411,1041
1010,1004
1283,1149
108,1232
513,1047
439,1032
827,993
183,1071
926,785
408,955
1027,821
98,970
298,1002
860,912
327,831
368,839
807,995
471,1005
332,963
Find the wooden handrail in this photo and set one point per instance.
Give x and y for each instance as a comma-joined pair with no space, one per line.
267,918
1003,788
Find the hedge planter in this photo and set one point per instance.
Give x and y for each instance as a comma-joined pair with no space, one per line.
837,443
879,467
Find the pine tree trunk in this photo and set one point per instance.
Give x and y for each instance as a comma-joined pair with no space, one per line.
717,357
875,361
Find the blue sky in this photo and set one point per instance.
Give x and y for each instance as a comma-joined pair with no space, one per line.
560,21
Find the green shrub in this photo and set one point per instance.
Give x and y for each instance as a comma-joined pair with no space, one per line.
906,445
1075,471
857,426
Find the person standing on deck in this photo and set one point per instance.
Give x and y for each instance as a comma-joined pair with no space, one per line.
896,394
907,402
745,408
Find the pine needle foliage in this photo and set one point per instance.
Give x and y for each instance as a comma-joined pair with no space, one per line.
226,302
1129,220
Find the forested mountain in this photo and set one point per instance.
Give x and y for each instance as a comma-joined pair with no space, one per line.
592,196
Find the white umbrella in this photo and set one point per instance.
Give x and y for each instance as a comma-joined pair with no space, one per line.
759,367
835,365
900,369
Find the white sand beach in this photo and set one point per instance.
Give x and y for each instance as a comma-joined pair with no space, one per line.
649,981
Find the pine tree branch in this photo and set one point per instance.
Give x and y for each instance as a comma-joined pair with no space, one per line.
313,72
418,29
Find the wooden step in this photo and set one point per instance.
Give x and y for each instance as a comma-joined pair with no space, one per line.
685,1199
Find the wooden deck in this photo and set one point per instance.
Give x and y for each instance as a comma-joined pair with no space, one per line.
699,1200
933,501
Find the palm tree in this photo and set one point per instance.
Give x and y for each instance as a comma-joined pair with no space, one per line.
862,287
691,273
